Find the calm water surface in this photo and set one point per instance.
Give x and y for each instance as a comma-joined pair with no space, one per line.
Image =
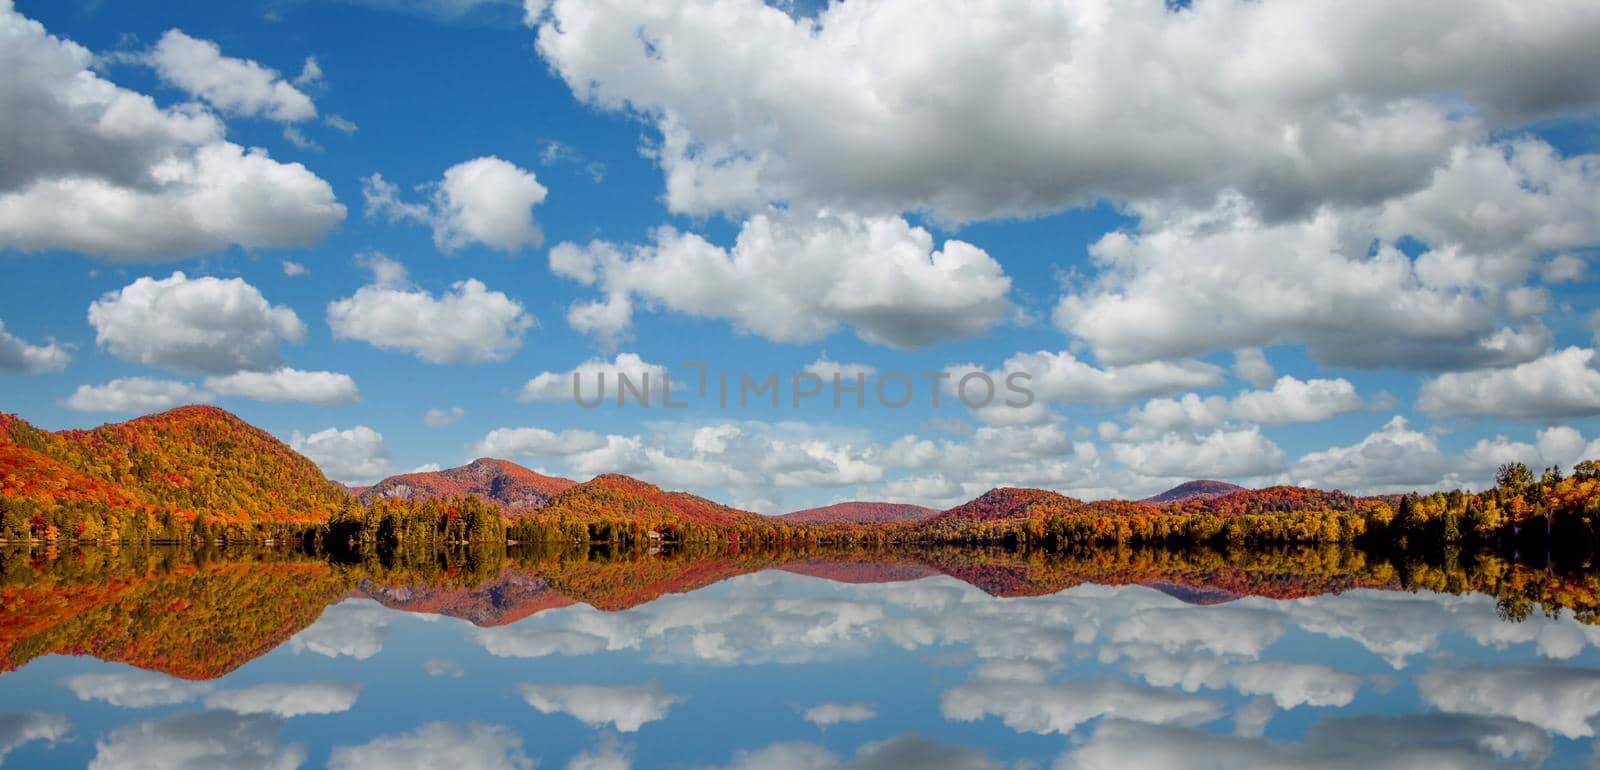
806,664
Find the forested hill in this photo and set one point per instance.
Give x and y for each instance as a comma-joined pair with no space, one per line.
186,461
860,513
511,487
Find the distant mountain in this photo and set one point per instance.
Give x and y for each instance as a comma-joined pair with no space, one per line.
510,486
859,513
1007,502
185,460
612,494
1188,490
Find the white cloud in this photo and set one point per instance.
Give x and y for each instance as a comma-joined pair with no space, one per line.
467,324
1190,281
311,74
443,418
903,751
1251,365
134,395
100,169
1563,268
1562,384
288,385
1394,458
19,728
829,714
626,708
210,325
596,378
234,86
1225,452
1444,741
536,442
827,369
1563,700
288,700
469,746
293,269
341,124
1289,401
135,689
797,279
1061,708
1064,378
16,355
484,200
355,628
195,741
1091,101
1290,685
355,455
438,667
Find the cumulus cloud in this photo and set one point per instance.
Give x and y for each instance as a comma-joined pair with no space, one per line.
597,378
834,108
898,752
796,279
234,86
1252,366
1563,700
135,689
288,700
827,369
209,325
1193,280
468,746
1064,378
355,628
100,169
354,455
536,442
439,667
1380,743
1394,458
829,714
198,740
466,324
288,385
443,418
1061,708
16,355
1562,384
134,395
19,728
1290,400
626,708
484,200
1225,452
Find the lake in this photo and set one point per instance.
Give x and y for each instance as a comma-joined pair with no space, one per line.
160,658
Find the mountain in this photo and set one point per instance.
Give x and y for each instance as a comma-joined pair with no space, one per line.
613,495
186,460
1188,490
505,484
859,513
1008,502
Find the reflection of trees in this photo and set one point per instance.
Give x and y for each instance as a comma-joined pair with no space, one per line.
201,613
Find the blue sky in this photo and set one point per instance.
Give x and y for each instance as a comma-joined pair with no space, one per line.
1400,242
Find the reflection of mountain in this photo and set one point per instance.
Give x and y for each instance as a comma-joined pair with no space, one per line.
195,621
510,597
510,486
165,610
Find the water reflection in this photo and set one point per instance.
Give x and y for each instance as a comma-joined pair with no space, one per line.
773,661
